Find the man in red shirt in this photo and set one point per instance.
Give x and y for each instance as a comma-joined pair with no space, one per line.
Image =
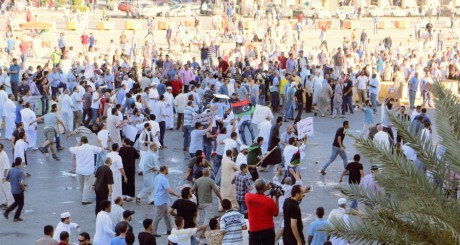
223,65
261,210
85,42
24,50
176,85
282,59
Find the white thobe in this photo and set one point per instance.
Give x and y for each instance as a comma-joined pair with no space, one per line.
317,85
3,99
67,111
169,100
153,98
28,116
117,164
104,229
20,148
240,159
64,227
10,125
264,131
5,189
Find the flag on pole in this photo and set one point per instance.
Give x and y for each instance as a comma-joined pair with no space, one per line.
242,108
295,160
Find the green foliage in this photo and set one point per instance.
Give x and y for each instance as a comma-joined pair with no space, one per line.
80,8
417,207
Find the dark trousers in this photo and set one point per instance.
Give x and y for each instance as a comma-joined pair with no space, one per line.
180,120
390,134
263,237
99,198
162,131
19,203
14,89
275,100
45,104
87,112
309,102
347,103
299,112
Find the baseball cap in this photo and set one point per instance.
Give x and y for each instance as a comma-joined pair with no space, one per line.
127,213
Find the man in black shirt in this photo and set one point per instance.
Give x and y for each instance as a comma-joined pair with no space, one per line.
146,237
293,227
337,147
347,96
185,208
102,183
355,171
299,99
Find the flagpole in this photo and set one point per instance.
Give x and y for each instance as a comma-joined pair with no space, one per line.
268,153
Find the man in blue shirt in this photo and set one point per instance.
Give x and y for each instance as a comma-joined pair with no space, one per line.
15,176
55,79
161,200
315,236
19,107
14,77
413,87
91,40
374,90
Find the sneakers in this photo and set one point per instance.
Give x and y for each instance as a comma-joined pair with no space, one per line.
42,150
18,220
55,157
60,148
323,172
5,214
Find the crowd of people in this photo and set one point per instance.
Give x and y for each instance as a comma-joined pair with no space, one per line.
96,93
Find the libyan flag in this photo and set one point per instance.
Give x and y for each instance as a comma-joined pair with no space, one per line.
295,160
242,108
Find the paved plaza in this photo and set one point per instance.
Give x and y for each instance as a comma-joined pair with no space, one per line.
52,190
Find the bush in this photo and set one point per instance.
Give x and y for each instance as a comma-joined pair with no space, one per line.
80,8
78,2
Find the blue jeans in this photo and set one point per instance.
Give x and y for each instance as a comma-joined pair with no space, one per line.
94,115
374,102
347,101
412,98
248,124
207,149
100,158
243,207
336,151
45,104
217,165
187,131
261,99
289,110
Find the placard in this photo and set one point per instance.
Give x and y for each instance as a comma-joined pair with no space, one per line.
305,127
205,118
130,132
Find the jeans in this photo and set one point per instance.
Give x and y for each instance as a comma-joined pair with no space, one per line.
263,237
14,88
86,113
217,165
247,124
161,212
289,110
207,149
187,131
336,151
412,94
261,99
354,204
162,131
19,203
94,115
180,120
374,102
45,104
243,207
346,101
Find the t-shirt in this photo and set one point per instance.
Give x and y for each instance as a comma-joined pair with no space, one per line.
118,241
355,175
232,222
50,120
146,238
205,186
340,132
161,185
220,147
15,177
261,210
319,237
104,178
187,210
184,235
196,140
291,210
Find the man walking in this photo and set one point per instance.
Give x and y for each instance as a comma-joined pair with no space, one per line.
104,226
49,130
161,199
293,226
337,147
151,166
102,183
15,176
315,235
355,171
242,182
413,88
84,155
5,187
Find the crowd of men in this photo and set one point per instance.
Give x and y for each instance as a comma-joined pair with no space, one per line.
94,94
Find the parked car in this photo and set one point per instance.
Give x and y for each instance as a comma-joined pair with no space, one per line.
349,11
105,5
298,9
182,10
125,6
413,11
372,11
394,11
286,12
321,12
149,9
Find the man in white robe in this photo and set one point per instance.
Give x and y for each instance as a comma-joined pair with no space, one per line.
117,171
5,187
29,116
104,226
3,99
146,138
65,225
153,96
169,100
67,110
264,131
10,110
317,85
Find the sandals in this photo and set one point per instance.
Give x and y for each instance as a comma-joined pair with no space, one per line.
138,201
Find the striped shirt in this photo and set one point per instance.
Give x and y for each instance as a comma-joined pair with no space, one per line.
232,222
188,115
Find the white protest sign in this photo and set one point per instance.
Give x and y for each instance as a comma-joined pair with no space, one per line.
130,132
305,127
205,118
